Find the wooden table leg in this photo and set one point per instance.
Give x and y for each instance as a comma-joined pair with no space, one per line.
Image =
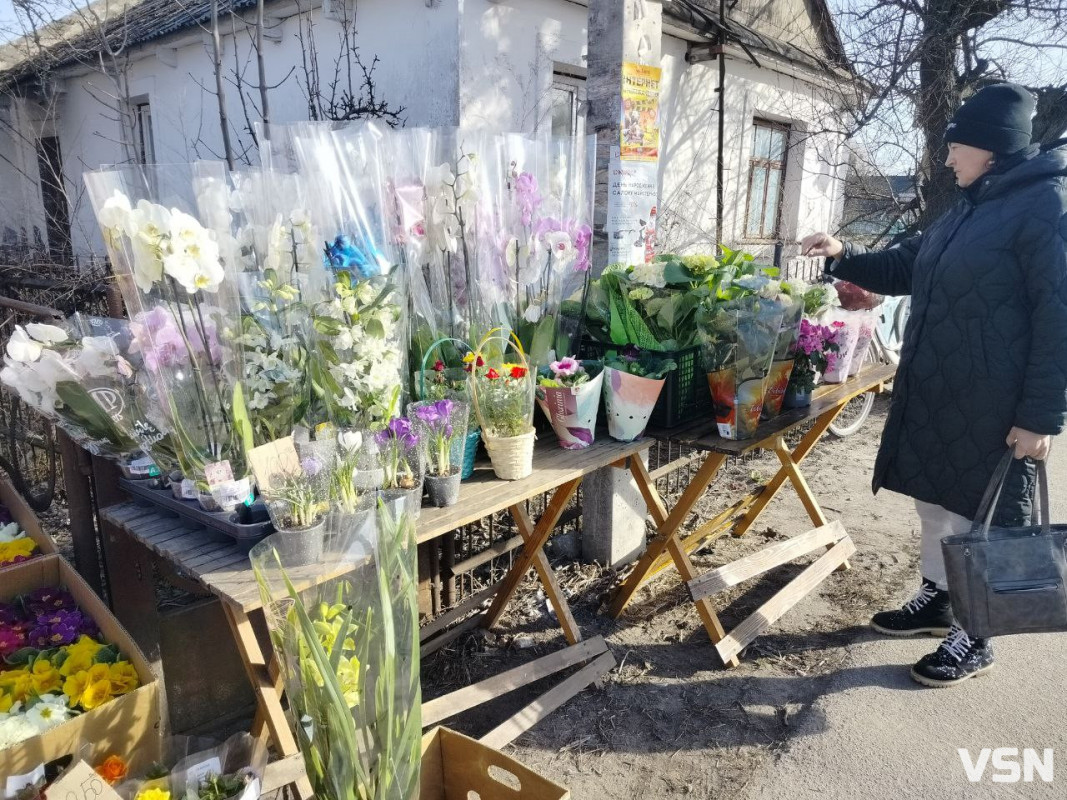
531,552
667,525
268,695
805,446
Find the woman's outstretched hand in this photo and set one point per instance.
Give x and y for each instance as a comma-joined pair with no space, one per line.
821,245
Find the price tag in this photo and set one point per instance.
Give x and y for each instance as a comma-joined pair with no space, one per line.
16,783
80,782
196,774
218,473
189,491
232,493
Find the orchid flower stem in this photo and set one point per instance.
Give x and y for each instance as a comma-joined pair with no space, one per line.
198,311
198,378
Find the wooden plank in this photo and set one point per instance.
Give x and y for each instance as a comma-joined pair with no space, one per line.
442,621
706,532
825,398
768,558
678,463
771,611
449,705
548,702
278,774
488,554
484,494
708,616
437,642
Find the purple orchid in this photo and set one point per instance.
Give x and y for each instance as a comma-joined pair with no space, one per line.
527,196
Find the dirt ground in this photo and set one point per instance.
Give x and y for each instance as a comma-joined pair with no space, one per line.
668,721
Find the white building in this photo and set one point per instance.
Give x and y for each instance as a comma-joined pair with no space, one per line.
500,64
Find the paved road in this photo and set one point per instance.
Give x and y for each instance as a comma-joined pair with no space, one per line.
875,734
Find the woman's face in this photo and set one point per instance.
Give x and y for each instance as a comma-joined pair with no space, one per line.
969,163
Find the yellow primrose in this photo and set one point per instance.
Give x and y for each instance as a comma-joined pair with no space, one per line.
96,694
468,358
85,644
74,687
99,672
6,701
123,677
46,678
75,663
18,683
155,793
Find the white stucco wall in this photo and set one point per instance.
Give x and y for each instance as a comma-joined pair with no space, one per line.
21,208
508,53
811,197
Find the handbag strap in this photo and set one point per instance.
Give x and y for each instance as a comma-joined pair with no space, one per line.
984,518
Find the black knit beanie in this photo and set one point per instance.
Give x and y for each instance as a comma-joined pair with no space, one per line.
997,118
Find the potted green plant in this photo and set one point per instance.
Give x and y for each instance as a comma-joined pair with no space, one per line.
633,381
815,350
568,391
398,444
297,502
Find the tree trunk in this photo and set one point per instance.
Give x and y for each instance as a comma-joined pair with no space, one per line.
220,92
939,97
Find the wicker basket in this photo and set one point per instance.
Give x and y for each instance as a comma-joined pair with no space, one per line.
512,456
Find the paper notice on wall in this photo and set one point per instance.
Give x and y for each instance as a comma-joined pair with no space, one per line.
631,221
640,113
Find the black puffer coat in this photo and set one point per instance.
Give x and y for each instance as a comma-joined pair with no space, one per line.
986,346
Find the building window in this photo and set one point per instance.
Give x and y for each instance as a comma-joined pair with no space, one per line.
54,199
766,172
142,134
567,105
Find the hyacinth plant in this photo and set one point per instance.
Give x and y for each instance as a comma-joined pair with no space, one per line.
815,351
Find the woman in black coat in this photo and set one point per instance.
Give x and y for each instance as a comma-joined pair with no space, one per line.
984,361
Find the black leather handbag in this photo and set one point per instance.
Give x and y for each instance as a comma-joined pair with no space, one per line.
1008,580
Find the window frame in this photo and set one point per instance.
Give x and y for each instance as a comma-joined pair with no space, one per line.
576,85
755,162
145,146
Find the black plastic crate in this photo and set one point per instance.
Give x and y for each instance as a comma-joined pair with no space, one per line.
685,396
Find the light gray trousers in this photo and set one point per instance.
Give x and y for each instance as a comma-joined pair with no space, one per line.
935,523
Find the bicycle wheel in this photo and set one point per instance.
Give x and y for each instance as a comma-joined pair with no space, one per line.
856,411
31,458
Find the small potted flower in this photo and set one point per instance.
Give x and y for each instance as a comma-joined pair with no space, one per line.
633,381
398,444
815,350
344,494
298,502
442,425
503,398
846,329
568,391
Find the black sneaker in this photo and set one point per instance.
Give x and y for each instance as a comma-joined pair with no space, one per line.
928,611
957,658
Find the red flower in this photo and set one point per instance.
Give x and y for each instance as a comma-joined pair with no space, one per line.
439,366
481,361
518,372
492,374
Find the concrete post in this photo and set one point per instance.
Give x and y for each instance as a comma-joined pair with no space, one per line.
620,32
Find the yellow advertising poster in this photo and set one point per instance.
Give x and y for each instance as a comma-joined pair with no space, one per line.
640,113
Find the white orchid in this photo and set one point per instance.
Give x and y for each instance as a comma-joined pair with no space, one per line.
11,532
97,357
22,348
115,211
532,312
561,249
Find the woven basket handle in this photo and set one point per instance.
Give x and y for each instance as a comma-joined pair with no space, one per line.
426,356
509,341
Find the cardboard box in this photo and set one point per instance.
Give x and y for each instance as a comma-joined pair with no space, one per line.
27,520
128,725
456,767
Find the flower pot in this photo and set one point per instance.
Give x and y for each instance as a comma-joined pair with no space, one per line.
737,406
777,382
470,453
443,489
351,535
795,399
208,502
847,340
402,501
228,495
512,456
138,469
629,401
572,411
302,546
863,343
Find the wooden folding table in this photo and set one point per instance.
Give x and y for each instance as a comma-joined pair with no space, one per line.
223,569
671,548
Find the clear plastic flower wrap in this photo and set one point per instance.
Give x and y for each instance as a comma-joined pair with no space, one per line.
349,654
169,265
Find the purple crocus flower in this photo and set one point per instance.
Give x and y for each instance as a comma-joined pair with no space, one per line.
311,466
